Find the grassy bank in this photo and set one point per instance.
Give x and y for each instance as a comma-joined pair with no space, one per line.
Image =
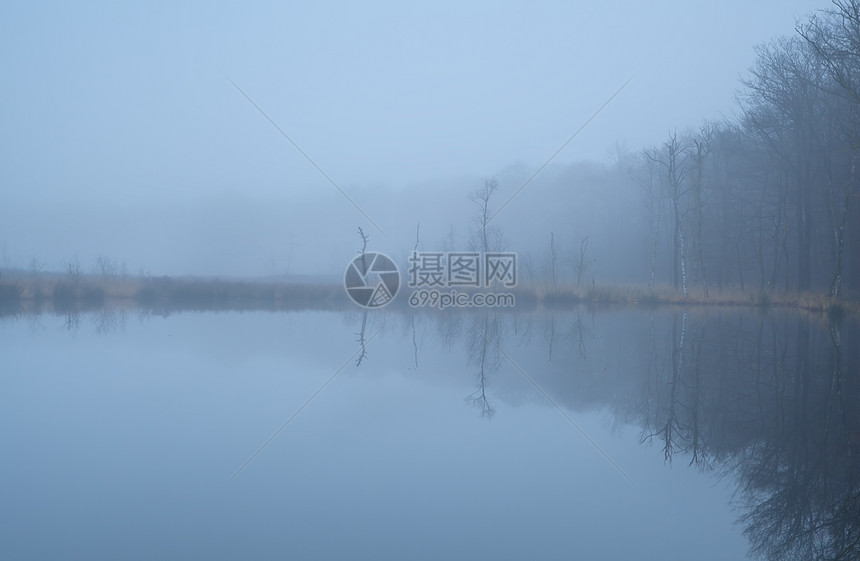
87,292
553,296
61,293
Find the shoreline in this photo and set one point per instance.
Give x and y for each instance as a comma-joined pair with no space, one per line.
60,294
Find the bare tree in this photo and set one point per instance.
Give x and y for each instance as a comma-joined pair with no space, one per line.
581,262
106,267
701,149
72,268
673,159
363,251
840,199
486,233
784,107
834,34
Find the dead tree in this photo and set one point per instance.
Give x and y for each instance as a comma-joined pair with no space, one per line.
673,160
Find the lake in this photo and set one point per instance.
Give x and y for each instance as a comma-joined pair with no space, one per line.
590,434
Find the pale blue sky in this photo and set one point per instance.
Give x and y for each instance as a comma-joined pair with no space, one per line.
105,98
124,106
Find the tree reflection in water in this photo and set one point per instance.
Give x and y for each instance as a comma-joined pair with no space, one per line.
771,401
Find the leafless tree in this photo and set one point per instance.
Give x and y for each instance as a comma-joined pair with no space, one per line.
700,150
362,252
784,106
72,268
581,263
673,159
489,236
106,267
834,34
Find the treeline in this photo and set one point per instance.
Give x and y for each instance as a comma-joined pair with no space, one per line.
768,201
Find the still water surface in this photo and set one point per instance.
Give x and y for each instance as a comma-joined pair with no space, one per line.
447,437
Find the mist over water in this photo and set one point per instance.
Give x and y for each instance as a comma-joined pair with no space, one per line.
498,280
123,135
125,432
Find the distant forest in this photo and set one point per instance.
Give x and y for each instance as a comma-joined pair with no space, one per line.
770,200
766,201
763,202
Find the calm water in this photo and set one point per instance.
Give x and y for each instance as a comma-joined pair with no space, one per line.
448,437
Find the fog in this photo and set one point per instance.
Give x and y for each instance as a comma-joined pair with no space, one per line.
617,247
122,135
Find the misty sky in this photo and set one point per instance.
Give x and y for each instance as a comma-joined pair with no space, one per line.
129,107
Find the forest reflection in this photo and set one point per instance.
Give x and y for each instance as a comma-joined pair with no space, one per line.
770,401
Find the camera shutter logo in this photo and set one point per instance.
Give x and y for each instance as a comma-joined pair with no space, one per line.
372,280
